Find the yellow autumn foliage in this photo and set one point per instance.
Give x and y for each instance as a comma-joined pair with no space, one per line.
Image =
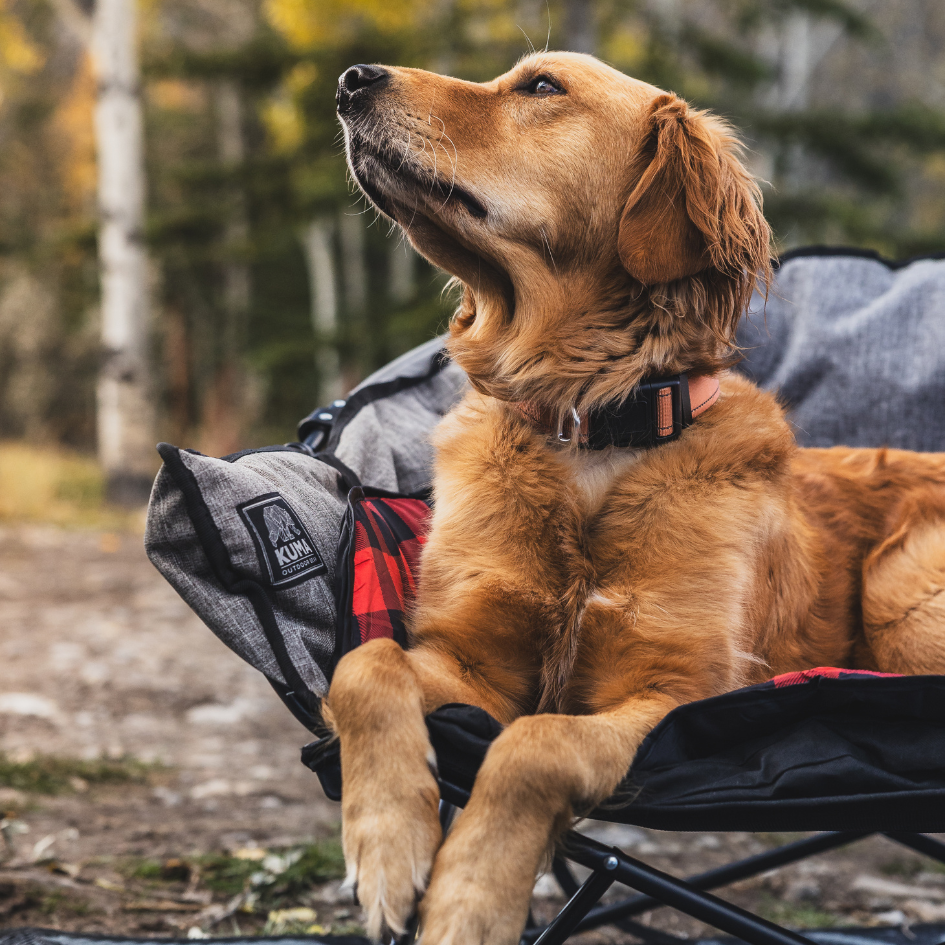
56,486
18,53
309,23
282,114
284,122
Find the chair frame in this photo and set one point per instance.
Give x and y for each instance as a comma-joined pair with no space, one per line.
692,896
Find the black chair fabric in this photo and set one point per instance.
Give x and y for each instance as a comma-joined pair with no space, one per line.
854,753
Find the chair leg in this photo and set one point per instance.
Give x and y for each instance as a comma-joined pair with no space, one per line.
447,813
569,885
724,875
685,897
566,921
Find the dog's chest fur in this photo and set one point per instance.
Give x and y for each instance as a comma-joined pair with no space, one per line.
560,555
593,473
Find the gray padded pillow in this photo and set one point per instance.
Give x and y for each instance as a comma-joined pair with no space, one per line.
855,346
250,541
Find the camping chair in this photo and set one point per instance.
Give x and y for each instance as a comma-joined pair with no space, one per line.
294,555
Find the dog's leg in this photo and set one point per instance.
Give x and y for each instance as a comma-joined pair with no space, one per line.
536,773
390,828
904,594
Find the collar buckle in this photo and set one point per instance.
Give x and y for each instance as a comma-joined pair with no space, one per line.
575,428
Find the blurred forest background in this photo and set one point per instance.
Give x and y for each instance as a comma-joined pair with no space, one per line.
269,287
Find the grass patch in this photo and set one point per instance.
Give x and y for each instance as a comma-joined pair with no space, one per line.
279,879
274,882
319,863
909,869
151,871
780,839
224,874
52,775
49,484
148,870
799,916
349,928
141,868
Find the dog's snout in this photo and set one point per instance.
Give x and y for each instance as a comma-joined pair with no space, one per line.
356,79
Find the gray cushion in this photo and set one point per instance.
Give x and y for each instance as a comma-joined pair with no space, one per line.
855,346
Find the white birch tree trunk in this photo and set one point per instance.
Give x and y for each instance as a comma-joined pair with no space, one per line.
317,240
354,263
126,417
795,48
229,403
236,282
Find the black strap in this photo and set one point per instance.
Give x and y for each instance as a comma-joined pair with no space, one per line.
635,421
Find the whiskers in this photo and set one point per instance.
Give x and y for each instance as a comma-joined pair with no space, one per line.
547,245
453,158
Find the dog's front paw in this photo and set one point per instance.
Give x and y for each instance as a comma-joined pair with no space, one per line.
389,845
475,897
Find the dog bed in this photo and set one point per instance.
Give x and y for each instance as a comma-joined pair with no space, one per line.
292,555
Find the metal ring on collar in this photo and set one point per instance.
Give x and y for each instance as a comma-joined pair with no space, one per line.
575,427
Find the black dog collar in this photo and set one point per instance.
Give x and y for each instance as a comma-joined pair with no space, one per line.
656,412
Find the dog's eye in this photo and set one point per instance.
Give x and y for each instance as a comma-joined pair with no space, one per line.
542,85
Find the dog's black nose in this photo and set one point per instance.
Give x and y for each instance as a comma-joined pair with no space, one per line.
355,79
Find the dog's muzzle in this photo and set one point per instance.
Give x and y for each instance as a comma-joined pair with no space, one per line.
356,84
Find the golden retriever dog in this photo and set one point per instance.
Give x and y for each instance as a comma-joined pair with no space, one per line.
576,584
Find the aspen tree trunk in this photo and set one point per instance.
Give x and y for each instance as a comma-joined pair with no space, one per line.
669,14
354,263
126,418
796,48
354,271
236,284
317,240
227,407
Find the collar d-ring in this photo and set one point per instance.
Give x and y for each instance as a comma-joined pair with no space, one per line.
575,427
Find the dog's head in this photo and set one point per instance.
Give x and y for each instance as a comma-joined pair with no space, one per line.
602,229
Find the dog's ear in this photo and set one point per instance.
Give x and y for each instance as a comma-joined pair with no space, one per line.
694,206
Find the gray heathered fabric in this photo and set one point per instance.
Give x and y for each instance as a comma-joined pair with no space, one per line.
305,612
855,349
388,442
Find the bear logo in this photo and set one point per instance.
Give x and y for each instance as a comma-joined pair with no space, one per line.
280,525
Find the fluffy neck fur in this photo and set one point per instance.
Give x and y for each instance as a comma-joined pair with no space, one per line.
566,346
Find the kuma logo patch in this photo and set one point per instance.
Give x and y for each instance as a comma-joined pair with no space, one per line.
282,542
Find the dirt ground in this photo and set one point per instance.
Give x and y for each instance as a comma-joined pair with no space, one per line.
176,802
